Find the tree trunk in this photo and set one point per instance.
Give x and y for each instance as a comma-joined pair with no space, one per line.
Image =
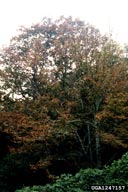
89,142
98,145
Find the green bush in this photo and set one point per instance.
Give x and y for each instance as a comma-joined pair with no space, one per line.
116,174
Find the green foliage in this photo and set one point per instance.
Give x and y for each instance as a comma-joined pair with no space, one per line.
116,174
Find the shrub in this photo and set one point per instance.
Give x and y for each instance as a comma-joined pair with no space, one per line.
116,174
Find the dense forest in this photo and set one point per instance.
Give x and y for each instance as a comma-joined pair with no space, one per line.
63,108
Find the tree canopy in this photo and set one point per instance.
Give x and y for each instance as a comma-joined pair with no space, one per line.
63,88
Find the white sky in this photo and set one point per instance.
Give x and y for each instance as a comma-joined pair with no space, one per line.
106,15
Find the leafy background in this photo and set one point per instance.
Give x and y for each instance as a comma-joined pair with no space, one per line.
63,105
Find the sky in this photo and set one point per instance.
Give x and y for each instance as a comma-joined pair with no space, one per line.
109,16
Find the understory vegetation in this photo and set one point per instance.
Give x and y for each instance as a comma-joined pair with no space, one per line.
112,176
63,109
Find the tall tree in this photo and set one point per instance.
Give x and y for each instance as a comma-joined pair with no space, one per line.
63,71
